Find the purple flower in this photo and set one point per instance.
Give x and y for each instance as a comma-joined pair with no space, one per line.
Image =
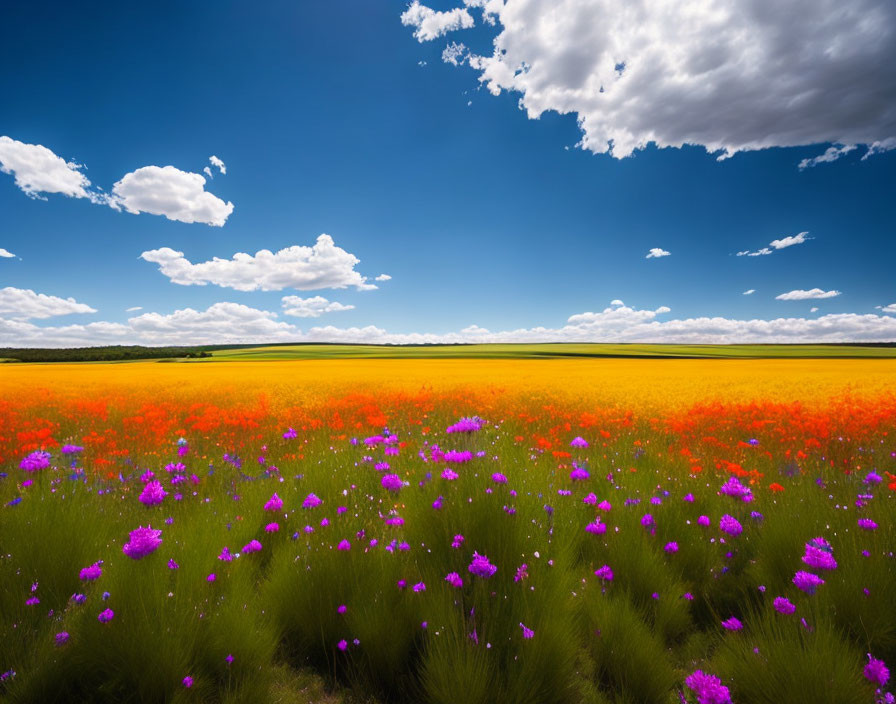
32,601
873,478
252,546
703,521
152,494
419,587
578,441
311,501
604,506
71,449
88,574
819,555
807,582
579,474
521,573
708,688
784,606
867,524
734,488
225,555
499,478
647,520
449,474
466,425
481,567
732,624
172,565
344,545
142,542
271,528
596,527
229,659
35,461
671,547
730,525
527,632
62,638
106,615
275,503
187,681
342,645
605,573
591,499
79,598
290,434
876,671
455,580
391,482
458,541
211,578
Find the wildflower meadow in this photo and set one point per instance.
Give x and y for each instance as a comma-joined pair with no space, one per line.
603,531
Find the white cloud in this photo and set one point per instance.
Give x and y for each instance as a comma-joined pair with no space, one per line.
6,254
813,310
880,147
782,243
790,240
730,76
23,303
208,172
750,292
323,265
616,302
235,323
38,170
656,252
383,277
218,164
132,309
166,190
454,53
313,307
830,154
889,309
429,24
801,295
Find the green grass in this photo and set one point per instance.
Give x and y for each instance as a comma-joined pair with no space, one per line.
552,350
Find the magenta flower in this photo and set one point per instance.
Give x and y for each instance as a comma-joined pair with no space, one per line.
591,499
579,474
730,525
342,645
226,555
187,681
578,441
605,573
344,545
172,565
819,555
458,541
499,478
703,521
708,688
671,547
62,638
521,573
481,567
88,574
272,528
106,615
35,461
275,503
391,482
142,542
527,632
604,506
311,501
734,488
152,494
876,671
32,601
449,474
419,587
784,606
807,582
290,434
466,425
647,520
867,524
455,580
596,527
252,546
732,624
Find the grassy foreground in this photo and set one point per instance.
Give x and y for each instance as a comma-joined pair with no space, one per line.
595,531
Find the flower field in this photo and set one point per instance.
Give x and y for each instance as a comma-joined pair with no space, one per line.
656,531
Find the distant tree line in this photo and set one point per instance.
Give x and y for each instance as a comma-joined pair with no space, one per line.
100,354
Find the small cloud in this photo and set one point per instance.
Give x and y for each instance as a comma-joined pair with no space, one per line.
801,295
889,309
132,309
383,277
662,309
313,307
790,241
616,302
813,309
455,53
474,330
24,304
758,253
208,172
6,254
656,252
749,291
429,24
880,147
217,163
830,154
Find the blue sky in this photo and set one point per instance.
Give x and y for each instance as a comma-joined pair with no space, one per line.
344,118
